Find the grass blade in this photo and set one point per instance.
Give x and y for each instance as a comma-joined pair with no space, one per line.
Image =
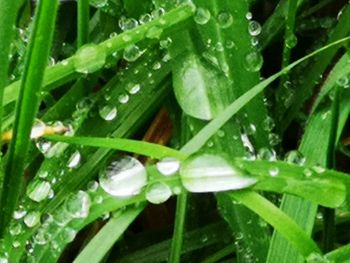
83,22
107,236
27,106
280,221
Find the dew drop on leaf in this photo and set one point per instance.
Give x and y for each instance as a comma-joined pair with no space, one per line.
123,98
291,41
78,205
253,61
254,28
74,160
158,193
168,166
266,154
107,112
38,190
132,53
202,16
123,177
212,173
295,157
89,58
224,19
145,18
98,3
32,219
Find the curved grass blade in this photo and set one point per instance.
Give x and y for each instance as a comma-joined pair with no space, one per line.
27,105
103,241
279,220
138,147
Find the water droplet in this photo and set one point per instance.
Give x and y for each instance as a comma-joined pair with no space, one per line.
168,166
165,43
317,258
158,12
249,16
307,172
132,53
108,112
123,98
127,23
124,177
38,129
274,139
343,82
15,229
32,219
74,160
145,18
266,154
319,169
133,89
68,234
254,28
291,41
98,3
41,237
273,171
202,16
18,214
78,205
268,124
224,19
89,58
253,61
158,193
177,190
92,186
211,173
16,244
295,157
38,190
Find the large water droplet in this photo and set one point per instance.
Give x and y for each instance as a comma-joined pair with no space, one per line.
123,98
168,166
254,28
212,173
78,205
291,41
32,219
38,129
38,190
224,19
158,193
295,157
266,154
202,16
253,61
124,177
15,229
74,160
132,53
89,58
108,112
127,23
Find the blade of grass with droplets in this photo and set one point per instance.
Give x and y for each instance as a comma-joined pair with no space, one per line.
304,212
314,72
27,106
65,71
103,241
280,221
138,147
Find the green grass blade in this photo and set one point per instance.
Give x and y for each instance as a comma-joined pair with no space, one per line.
220,254
341,254
27,106
8,11
139,147
280,221
83,22
176,244
103,241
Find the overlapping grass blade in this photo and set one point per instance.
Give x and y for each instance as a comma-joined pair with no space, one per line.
27,106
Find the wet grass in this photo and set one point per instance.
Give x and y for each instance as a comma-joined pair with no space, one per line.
179,131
